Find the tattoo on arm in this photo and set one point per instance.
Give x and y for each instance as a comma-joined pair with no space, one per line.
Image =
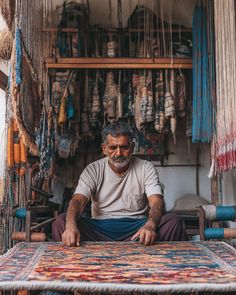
75,209
156,210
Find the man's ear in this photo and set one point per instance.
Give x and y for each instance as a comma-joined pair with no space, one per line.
104,149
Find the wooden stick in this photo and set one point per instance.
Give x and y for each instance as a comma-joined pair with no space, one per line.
35,237
202,223
42,223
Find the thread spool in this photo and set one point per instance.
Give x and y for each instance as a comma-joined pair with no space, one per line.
220,233
35,237
214,233
230,233
210,212
225,213
20,213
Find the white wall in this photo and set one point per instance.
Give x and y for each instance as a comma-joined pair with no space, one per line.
229,188
180,180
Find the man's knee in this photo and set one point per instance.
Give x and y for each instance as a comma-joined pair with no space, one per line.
171,228
176,219
58,227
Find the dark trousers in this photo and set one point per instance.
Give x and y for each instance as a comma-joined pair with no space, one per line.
170,228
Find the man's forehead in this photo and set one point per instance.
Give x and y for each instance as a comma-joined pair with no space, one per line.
118,138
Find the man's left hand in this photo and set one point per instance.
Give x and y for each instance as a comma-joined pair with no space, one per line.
146,234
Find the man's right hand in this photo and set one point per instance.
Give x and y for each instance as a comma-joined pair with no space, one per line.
71,237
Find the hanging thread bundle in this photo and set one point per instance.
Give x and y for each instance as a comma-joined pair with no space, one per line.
18,57
202,130
225,142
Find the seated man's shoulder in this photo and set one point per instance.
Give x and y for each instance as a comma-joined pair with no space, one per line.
97,163
142,162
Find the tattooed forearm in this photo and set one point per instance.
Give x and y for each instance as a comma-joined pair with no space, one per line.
75,209
156,205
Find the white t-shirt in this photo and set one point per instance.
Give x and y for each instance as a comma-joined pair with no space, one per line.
115,196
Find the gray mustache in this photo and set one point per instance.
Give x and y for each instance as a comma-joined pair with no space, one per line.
119,159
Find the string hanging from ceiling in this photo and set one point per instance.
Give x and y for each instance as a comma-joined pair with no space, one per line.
202,127
225,140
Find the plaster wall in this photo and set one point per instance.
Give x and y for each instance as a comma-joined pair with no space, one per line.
181,180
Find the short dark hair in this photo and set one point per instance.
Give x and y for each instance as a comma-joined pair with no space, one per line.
116,129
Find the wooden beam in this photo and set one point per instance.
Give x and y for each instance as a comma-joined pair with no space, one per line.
3,80
140,30
119,63
118,60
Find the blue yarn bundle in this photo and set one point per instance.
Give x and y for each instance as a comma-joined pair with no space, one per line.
70,108
203,80
18,57
21,213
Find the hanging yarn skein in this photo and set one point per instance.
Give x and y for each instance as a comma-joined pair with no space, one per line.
18,56
225,50
202,130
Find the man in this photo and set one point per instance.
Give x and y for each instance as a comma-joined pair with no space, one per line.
126,196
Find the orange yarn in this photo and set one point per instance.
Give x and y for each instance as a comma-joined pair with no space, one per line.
10,153
62,113
16,144
23,158
16,150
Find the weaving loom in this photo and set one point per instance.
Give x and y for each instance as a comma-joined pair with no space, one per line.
115,267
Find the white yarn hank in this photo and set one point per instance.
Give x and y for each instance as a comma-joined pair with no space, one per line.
225,51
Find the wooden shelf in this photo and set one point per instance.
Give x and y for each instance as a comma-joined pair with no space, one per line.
129,30
119,63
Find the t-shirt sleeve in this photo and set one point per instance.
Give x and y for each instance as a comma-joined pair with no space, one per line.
152,182
86,184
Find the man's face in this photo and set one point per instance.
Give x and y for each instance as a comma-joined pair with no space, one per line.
119,150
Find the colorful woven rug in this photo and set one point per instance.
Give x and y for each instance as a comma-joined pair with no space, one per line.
120,267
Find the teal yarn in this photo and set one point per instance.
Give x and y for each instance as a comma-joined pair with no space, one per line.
214,233
70,108
18,57
203,78
225,213
21,213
